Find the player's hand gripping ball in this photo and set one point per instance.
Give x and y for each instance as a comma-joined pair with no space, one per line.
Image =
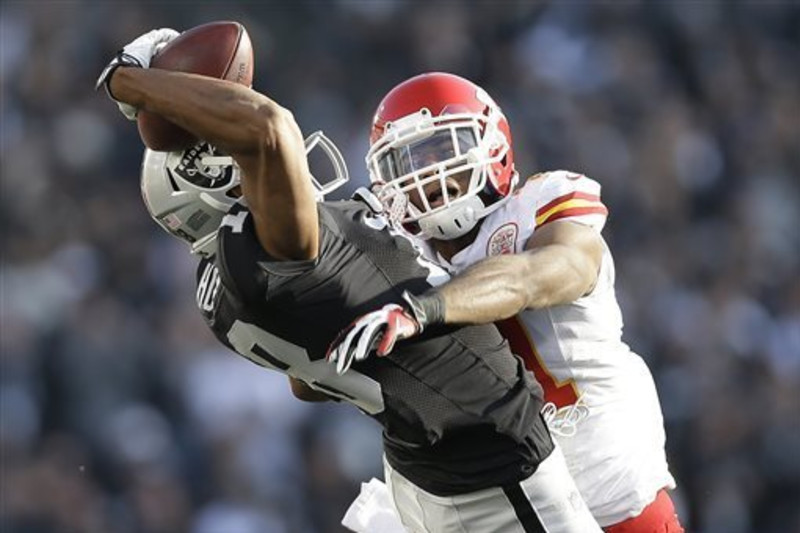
220,50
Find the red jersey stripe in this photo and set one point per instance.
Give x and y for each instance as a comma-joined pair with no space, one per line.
574,195
575,212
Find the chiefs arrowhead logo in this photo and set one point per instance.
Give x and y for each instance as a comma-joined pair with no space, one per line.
503,240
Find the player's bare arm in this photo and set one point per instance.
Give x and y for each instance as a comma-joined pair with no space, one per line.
259,134
559,265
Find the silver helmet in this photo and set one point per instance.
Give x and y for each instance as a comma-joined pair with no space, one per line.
188,193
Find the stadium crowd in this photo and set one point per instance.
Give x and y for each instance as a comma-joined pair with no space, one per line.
119,412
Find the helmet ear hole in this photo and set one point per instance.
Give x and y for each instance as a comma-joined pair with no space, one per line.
234,192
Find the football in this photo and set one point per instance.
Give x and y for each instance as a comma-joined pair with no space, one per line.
220,50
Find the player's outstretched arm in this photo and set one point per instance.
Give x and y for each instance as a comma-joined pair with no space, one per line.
261,136
559,265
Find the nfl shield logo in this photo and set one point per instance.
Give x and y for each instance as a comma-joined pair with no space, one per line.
502,240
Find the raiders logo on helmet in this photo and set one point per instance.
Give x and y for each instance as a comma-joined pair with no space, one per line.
200,165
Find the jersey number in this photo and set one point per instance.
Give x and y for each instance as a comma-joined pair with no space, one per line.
208,288
271,351
560,393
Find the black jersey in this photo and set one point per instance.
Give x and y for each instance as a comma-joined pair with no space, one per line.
459,411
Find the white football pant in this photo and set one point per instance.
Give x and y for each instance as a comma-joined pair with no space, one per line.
546,502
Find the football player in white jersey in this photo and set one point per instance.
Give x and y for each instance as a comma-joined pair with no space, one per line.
530,256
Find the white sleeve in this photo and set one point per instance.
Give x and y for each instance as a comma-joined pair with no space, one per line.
563,195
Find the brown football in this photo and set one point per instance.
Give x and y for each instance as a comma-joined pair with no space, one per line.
220,50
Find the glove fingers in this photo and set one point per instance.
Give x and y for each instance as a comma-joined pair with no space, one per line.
341,362
369,338
164,35
148,45
333,352
345,350
399,326
374,331
394,331
386,343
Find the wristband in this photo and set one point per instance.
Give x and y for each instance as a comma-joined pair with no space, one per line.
120,60
427,309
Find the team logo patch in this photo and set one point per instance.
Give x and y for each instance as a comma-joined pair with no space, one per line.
503,240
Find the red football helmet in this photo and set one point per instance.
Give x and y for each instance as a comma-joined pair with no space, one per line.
440,155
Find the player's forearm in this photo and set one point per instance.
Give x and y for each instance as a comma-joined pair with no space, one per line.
500,287
259,134
228,115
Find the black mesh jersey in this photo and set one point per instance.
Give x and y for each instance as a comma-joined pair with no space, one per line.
459,411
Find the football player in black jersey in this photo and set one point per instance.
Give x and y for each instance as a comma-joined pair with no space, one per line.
466,448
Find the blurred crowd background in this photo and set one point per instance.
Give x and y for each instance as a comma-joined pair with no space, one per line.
120,413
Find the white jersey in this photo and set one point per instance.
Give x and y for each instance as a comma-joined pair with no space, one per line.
602,402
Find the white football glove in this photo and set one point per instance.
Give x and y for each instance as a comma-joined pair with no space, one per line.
376,331
137,53
379,330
